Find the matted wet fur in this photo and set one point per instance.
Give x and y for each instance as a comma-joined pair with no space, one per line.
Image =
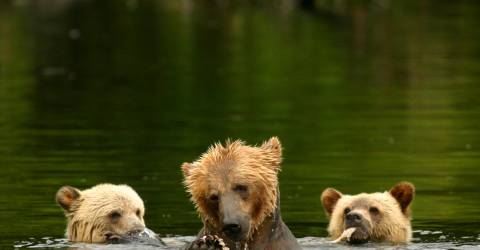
376,217
235,190
103,213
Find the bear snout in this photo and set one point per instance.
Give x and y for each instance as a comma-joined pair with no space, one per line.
353,219
235,227
356,219
136,228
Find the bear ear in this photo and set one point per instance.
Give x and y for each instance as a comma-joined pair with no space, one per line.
330,197
186,167
65,197
273,145
403,192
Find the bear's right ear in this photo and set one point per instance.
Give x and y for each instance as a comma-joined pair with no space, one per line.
330,197
403,192
274,147
186,167
65,197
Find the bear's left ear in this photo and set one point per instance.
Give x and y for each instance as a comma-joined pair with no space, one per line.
274,146
403,192
65,197
330,197
186,168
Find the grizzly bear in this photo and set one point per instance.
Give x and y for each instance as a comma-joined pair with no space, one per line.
101,214
374,217
235,190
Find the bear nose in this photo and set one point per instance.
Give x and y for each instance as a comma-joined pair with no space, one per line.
232,230
353,219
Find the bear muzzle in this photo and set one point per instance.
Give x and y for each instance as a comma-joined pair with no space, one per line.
235,221
353,219
357,220
235,228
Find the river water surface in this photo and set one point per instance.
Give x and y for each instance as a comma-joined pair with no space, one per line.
362,94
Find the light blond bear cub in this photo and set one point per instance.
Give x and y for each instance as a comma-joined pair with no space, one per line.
374,217
235,190
101,214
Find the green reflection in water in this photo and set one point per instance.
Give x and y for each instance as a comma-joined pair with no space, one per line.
362,96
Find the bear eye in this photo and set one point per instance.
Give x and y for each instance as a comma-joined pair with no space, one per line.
115,215
240,188
373,210
137,212
346,211
213,197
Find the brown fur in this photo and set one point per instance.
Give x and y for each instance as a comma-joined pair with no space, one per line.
391,223
241,177
91,212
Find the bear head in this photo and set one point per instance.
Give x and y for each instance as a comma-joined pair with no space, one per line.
101,213
234,186
376,217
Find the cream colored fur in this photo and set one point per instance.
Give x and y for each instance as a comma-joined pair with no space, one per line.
90,214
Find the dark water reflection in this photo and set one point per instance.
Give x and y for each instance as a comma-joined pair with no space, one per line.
362,94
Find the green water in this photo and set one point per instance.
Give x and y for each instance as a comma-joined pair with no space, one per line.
362,94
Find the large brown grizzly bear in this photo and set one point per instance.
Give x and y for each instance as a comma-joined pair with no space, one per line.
375,217
235,190
102,213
